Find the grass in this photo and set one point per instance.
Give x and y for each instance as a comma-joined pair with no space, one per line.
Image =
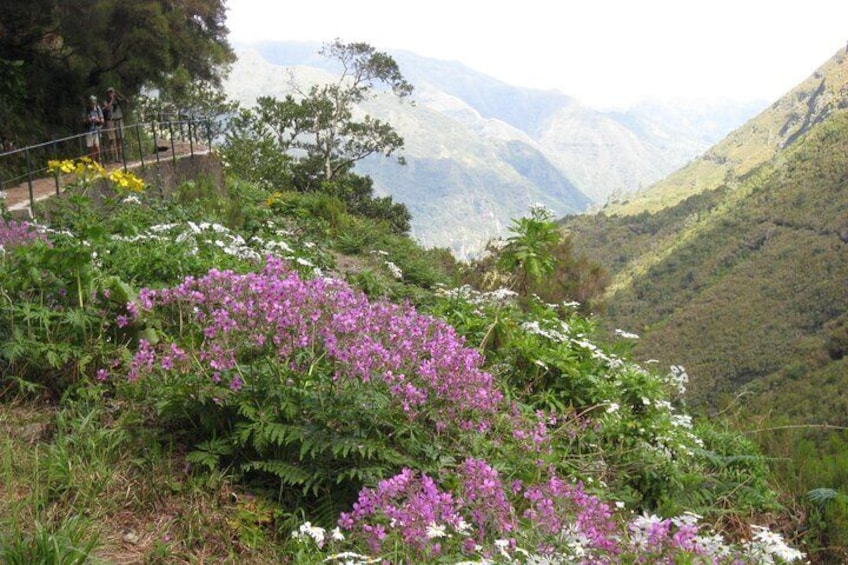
84,483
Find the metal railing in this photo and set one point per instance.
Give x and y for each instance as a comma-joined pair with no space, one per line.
137,145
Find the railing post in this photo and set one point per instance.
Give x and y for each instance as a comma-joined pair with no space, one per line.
55,173
140,149
155,143
119,135
29,180
190,140
173,149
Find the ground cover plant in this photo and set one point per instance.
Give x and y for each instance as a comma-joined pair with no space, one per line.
220,395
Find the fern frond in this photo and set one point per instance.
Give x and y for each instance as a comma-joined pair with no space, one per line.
287,473
823,495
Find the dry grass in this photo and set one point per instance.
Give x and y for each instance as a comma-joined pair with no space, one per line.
144,506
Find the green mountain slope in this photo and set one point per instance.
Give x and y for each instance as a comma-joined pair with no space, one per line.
745,282
755,143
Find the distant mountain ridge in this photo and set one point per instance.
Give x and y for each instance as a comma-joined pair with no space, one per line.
479,151
736,266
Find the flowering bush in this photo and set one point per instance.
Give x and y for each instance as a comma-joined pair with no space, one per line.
88,171
57,310
411,518
624,419
309,381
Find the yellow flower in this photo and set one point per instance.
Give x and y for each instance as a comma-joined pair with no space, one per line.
65,166
126,181
273,198
95,168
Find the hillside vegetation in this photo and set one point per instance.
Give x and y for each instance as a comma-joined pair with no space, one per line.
750,274
755,266
269,370
736,268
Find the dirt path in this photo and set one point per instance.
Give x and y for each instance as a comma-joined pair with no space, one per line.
17,198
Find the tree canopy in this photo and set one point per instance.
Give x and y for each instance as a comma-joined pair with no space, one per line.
311,139
53,54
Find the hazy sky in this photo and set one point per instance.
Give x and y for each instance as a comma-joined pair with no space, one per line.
604,52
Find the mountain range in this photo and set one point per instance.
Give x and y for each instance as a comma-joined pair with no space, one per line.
736,265
479,152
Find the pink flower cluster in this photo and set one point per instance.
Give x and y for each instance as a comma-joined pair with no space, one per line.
14,233
412,507
274,313
556,506
407,503
478,516
479,513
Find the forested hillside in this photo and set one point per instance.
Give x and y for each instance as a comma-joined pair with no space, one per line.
54,55
753,261
747,283
736,268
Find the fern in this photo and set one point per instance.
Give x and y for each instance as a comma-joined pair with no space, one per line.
209,453
287,472
822,496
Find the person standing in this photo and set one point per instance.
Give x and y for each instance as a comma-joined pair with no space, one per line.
93,120
114,122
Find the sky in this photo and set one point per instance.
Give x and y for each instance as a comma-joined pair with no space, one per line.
606,53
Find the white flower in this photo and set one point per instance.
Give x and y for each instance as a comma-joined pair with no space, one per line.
502,545
336,534
713,545
462,527
686,519
307,530
351,558
612,408
768,543
435,530
678,378
681,421
394,270
576,541
626,335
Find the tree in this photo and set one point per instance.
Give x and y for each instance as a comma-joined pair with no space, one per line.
337,138
310,140
323,124
73,49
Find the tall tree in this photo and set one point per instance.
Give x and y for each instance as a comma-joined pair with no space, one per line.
323,123
310,140
337,138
